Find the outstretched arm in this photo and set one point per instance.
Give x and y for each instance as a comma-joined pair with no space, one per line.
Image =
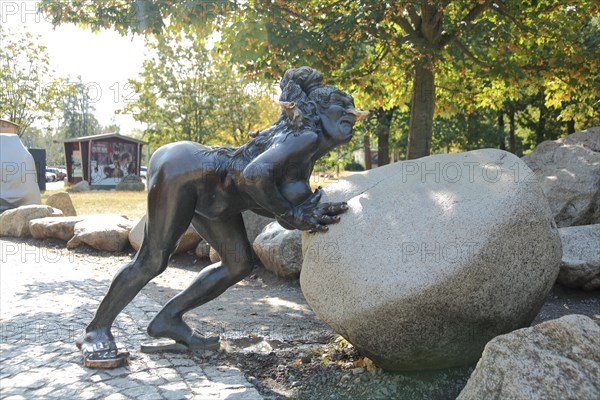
264,176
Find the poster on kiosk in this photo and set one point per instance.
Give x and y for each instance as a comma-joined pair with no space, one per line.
110,162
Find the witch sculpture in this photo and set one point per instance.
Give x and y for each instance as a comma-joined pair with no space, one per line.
209,187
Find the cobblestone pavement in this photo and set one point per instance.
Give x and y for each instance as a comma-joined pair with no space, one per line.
46,298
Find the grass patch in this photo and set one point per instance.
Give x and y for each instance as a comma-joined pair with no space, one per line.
131,204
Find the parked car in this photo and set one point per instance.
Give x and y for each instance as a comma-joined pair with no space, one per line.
50,176
60,173
143,172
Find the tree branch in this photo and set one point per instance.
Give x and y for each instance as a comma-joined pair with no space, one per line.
463,49
415,18
466,22
404,24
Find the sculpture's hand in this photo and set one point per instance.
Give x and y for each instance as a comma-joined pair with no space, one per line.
314,217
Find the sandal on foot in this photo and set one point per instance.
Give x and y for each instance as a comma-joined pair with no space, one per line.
104,355
163,346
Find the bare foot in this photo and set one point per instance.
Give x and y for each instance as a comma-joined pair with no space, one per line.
179,331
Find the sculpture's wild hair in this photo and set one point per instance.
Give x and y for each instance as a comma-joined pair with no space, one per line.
302,86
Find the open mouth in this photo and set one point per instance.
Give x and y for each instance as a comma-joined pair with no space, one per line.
347,121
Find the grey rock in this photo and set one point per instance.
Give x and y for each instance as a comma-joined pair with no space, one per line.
434,258
280,250
557,359
108,232
213,255
131,183
82,186
188,241
18,186
203,249
63,202
580,264
254,224
569,172
15,222
54,227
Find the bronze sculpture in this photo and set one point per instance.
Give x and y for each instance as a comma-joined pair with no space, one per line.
210,187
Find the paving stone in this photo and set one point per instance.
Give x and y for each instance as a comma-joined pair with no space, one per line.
116,396
150,396
39,360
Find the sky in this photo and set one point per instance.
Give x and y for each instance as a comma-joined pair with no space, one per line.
105,60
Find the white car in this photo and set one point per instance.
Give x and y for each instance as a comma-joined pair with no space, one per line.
143,172
50,176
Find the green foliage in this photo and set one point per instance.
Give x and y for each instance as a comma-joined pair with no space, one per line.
353,166
536,60
78,112
35,138
28,91
186,92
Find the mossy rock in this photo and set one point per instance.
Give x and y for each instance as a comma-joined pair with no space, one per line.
131,183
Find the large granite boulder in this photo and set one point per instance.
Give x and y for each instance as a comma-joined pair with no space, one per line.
188,241
18,176
434,258
280,250
63,202
569,172
15,222
580,265
108,232
555,360
54,227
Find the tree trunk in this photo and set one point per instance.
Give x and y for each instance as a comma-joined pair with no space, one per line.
471,134
384,121
570,126
501,144
421,113
541,125
511,131
367,147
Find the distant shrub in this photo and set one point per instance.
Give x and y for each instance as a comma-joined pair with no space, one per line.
353,166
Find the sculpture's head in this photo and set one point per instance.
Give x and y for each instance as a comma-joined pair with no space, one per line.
325,109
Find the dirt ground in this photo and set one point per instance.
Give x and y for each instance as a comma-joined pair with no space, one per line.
273,336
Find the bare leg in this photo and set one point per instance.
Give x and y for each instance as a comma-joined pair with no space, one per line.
170,212
229,238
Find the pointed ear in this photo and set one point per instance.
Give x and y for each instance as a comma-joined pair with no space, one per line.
293,113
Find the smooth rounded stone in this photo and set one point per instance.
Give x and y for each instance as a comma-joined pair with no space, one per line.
434,258
188,241
18,184
63,202
280,250
54,227
203,249
108,232
213,255
555,360
131,183
82,186
15,222
254,224
569,172
580,264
